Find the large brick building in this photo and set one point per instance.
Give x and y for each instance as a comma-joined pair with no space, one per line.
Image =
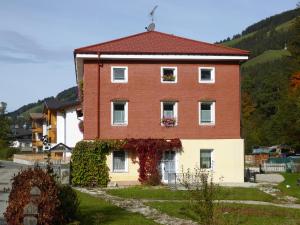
156,85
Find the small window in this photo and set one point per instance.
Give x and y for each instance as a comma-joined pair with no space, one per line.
169,74
119,74
169,114
119,113
207,113
119,161
206,75
205,159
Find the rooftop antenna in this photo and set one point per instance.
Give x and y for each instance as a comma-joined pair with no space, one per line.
151,26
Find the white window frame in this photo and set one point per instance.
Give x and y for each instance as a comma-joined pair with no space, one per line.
175,111
112,113
213,113
126,163
161,74
211,159
213,75
125,75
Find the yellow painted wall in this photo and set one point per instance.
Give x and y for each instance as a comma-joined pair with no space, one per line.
130,176
227,157
228,160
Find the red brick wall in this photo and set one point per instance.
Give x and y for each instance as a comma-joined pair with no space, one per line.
144,91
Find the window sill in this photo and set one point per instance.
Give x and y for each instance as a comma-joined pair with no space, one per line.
169,82
119,82
120,124
207,124
206,82
120,171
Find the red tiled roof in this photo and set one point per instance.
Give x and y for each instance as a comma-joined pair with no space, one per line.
154,42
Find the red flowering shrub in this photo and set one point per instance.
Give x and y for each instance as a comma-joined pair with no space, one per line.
48,203
149,153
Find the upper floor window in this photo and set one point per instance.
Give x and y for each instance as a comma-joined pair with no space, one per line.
119,74
207,113
169,74
119,113
169,114
206,75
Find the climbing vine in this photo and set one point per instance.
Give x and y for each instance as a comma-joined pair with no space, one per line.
149,153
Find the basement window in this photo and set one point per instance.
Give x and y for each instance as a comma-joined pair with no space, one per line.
119,74
120,161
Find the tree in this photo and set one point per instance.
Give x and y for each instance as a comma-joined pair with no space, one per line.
4,126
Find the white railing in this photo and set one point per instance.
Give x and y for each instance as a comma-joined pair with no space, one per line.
274,167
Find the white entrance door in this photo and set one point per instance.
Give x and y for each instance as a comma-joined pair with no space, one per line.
168,167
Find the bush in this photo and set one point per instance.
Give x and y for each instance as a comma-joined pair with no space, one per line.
88,164
48,203
7,153
69,202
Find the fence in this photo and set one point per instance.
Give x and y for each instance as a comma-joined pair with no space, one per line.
274,167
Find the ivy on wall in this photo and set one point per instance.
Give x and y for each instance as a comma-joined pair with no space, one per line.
89,167
149,153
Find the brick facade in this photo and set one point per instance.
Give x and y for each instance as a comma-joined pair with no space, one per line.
144,92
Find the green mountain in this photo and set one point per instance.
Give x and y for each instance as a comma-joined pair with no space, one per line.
21,115
270,100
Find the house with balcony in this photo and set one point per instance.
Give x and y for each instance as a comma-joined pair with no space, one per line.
157,85
37,120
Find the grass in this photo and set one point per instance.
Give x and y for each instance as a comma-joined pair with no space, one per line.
163,193
291,180
235,213
97,211
267,56
235,41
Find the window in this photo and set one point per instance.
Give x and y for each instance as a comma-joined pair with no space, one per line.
206,75
207,113
119,74
120,163
205,159
169,74
119,114
169,115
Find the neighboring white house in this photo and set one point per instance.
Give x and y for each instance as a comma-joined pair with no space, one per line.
62,123
68,131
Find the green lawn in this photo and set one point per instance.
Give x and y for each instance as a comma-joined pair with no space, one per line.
236,214
97,211
291,180
163,193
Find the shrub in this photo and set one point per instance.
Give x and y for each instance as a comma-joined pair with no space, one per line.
69,203
7,153
48,203
88,164
149,153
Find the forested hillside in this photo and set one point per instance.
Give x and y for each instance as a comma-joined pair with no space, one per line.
271,81
21,115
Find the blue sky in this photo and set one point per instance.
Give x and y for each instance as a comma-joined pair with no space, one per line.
37,37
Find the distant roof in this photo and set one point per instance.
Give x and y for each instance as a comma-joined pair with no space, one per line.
36,116
154,42
55,104
60,147
21,132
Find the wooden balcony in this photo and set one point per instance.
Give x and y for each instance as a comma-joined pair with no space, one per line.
37,143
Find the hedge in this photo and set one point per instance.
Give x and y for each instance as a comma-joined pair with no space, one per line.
88,164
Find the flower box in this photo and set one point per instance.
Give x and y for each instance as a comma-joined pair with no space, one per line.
168,122
168,77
